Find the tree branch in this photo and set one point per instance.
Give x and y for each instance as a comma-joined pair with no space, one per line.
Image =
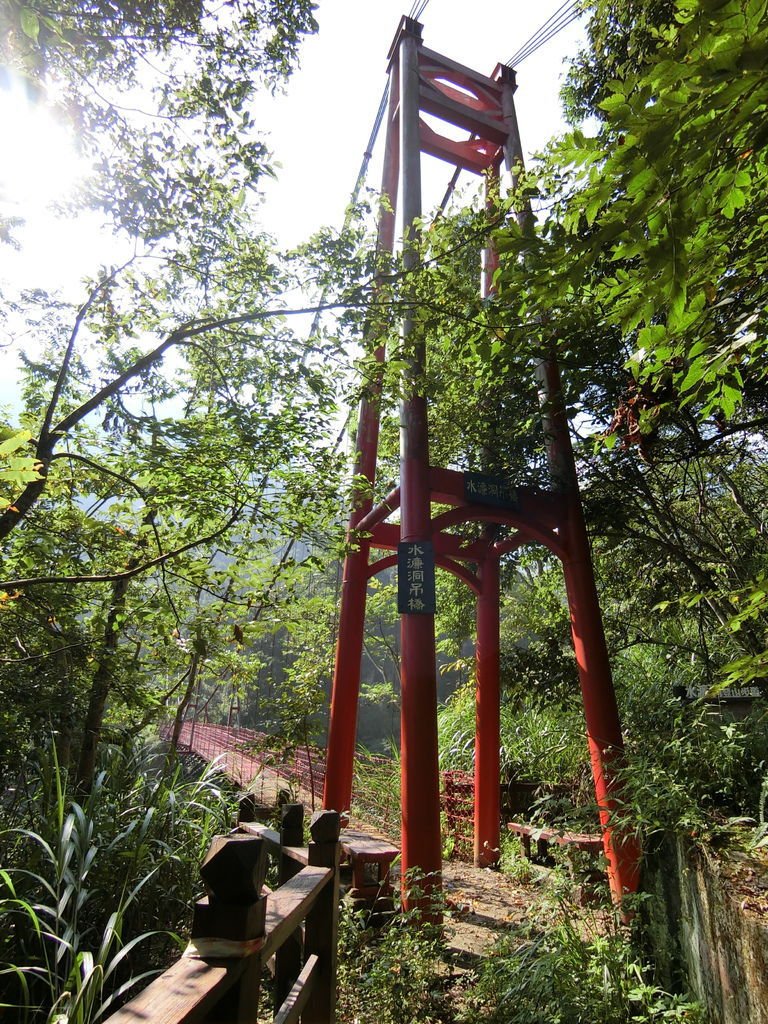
42,657
68,352
126,574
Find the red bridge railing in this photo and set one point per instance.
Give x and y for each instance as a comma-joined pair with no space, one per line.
244,754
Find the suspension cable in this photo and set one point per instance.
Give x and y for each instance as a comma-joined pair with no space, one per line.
567,13
360,181
417,9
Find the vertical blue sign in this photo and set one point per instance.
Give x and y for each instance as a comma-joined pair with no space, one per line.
416,578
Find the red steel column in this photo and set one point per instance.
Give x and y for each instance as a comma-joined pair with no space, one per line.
604,737
342,726
487,716
606,744
420,781
488,689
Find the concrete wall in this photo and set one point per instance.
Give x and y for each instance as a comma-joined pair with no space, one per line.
701,934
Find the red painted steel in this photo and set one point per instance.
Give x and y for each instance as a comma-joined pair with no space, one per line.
243,754
487,713
424,81
600,709
606,744
419,783
458,806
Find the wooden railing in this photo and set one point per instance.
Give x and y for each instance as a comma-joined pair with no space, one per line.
241,925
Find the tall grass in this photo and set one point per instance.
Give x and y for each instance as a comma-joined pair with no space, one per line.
93,888
540,742
376,791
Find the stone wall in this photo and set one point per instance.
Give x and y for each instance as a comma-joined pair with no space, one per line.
708,929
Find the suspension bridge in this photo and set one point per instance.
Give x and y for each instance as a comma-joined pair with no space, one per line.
417,527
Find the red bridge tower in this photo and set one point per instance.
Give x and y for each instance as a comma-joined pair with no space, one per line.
424,82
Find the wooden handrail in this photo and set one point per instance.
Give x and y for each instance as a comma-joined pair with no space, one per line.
296,1000
198,988
181,995
288,906
272,841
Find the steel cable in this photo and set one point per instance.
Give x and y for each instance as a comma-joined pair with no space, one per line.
565,14
417,9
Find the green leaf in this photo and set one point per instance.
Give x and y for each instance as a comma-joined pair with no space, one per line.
696,372
30,23
17,440
734,201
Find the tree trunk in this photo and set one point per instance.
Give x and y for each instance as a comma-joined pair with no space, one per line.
181,711
100,686
66,716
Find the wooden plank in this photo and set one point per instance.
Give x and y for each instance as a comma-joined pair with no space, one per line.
375,850
290,955
288,906
296,999
583,840
350,837
270,837
181,995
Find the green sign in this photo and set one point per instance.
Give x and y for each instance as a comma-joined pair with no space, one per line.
481,489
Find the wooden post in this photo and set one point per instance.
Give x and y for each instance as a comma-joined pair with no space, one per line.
288,957
322,927
234,909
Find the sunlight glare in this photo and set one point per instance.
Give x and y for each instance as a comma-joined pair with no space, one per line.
39,163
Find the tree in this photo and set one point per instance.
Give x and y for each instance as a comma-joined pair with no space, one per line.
657,307
159,95
175,421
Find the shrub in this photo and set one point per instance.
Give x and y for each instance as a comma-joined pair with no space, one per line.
87,881
561,976
691,768
544,742
390,975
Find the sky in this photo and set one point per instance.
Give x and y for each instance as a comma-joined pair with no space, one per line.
317,130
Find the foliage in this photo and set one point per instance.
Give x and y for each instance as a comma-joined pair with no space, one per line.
622,36
676,269
565,975
512,860
690,769
656,314
17,470
85,884
160,97
170,429
540,742
376,790
536,648
390,975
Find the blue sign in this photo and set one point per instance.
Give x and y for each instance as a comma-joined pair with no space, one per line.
481,489
416,578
